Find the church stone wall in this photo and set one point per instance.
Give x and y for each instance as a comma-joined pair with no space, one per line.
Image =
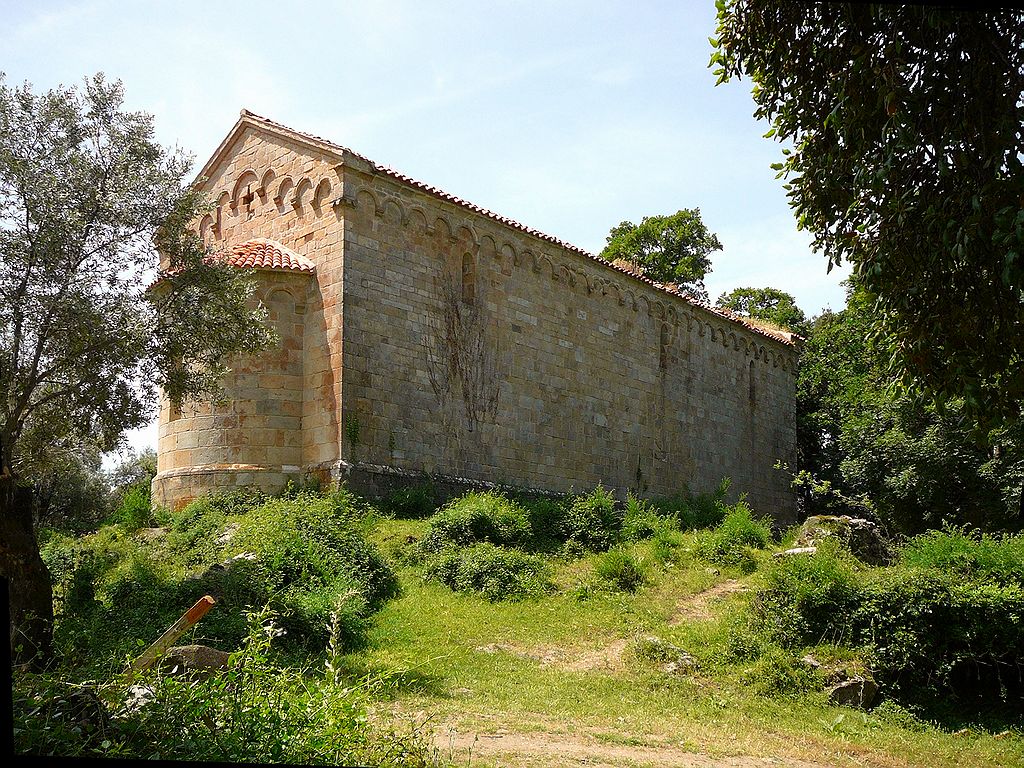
277,420
253,437
476,350
433,338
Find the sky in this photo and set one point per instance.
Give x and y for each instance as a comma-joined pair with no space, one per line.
569,117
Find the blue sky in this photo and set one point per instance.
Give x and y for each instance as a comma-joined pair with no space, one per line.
567,116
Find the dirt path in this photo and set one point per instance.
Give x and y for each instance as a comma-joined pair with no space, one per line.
608,657
549,749
698,607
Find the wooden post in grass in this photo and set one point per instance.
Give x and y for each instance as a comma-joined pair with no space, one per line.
167,639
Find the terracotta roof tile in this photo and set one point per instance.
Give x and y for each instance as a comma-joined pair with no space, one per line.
781,336
261,253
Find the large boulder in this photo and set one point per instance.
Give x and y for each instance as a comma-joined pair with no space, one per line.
865,539
858,692
195,661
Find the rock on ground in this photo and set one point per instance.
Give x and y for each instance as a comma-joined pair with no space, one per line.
863,538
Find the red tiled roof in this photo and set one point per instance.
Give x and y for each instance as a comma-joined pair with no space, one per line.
781,336
261,253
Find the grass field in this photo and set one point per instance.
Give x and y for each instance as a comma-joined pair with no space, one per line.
558,680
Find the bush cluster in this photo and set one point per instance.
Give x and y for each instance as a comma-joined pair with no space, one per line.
948,618
731,542
304,555
497,573
411,503
618,568
592,521
477,517
694,511
255,712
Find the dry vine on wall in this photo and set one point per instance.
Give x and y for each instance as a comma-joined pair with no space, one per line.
459,357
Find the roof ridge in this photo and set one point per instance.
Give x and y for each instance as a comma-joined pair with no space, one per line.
783,337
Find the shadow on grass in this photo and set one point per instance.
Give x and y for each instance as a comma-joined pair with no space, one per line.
387,683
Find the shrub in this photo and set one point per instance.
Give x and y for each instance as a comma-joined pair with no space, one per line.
303,555
620,569
261,713
728,543
477,517
495,572
696,511
934,633
193,531
134,511
411,503
779,673
808,598
970,556
666,544
309,559
640,520
592,520
546,517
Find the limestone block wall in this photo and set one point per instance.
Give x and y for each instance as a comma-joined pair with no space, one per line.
254,436
281,411
436,338
475,349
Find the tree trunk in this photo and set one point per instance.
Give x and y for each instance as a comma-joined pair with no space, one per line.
31,590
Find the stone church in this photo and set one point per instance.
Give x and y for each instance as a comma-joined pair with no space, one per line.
420,333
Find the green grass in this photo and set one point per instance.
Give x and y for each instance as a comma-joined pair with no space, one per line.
586,658
473,663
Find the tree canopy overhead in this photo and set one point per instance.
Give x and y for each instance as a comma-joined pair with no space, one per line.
87,198
905,127
667,249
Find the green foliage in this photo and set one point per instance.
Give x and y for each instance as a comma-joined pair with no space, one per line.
974,556
904,123
947,620
496,573
777,672
412,502
641,520
933,633
477,517
695,510
654,650
135,508
620,569
135,469
730,542
667,249
86,192
808,598
546,516
860,440
304,556
591,521
255,712
770,304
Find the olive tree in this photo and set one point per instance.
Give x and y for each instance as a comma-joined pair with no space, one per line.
88,199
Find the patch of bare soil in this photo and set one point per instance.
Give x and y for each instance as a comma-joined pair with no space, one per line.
608,657
698,607
544,749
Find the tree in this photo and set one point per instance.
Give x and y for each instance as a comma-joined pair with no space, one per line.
771,304
87,200
667,249
862,439
905,160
